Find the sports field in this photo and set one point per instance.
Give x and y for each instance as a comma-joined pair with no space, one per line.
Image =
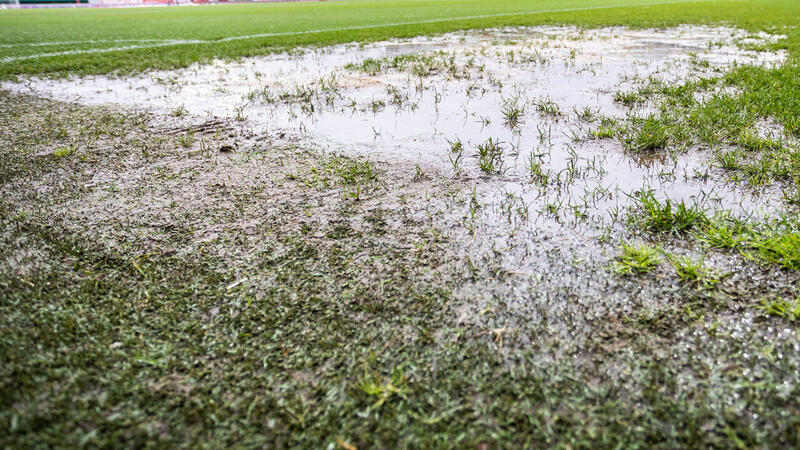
413,224
155,35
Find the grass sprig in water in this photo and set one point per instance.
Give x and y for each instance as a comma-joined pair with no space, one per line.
636,259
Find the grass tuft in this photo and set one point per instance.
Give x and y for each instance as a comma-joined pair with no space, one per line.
651,135
694,271
665,216
636,259
782,249
780,307
490,157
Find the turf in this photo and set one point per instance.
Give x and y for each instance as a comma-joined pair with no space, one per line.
207,26
330,323
337,327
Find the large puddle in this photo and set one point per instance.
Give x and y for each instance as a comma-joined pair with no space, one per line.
508,113
526,99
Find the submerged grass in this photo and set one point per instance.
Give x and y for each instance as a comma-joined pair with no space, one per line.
304,327
780,307
722,232
490,156
748,117
648,134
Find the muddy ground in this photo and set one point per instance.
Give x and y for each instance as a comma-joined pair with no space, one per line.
175,277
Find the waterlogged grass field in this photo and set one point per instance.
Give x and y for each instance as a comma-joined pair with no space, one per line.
208,29
566,224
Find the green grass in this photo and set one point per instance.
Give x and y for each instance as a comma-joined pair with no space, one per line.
490,156
780,307
693,271
420,65
636,259
65,151
209,24
665,215
721,232
648,134
310,330
782,249
343,337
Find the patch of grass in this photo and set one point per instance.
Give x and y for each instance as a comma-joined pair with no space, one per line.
730,160
647,135
490,157
750,140
792,192
627,97
721,233
782,248
693,271
300,327
538,173
377,106
180,111
547,107
456,154
369,66
666,216
513,113
603,132
418,64
345,171
636,259
586,113
730,115
374,386
293,25
780,307
186,140
102,348
63,152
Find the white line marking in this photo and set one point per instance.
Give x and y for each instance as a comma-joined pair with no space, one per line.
91,41
102,50
327,30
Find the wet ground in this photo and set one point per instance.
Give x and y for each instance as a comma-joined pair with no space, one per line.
549,184
482,156
554,82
